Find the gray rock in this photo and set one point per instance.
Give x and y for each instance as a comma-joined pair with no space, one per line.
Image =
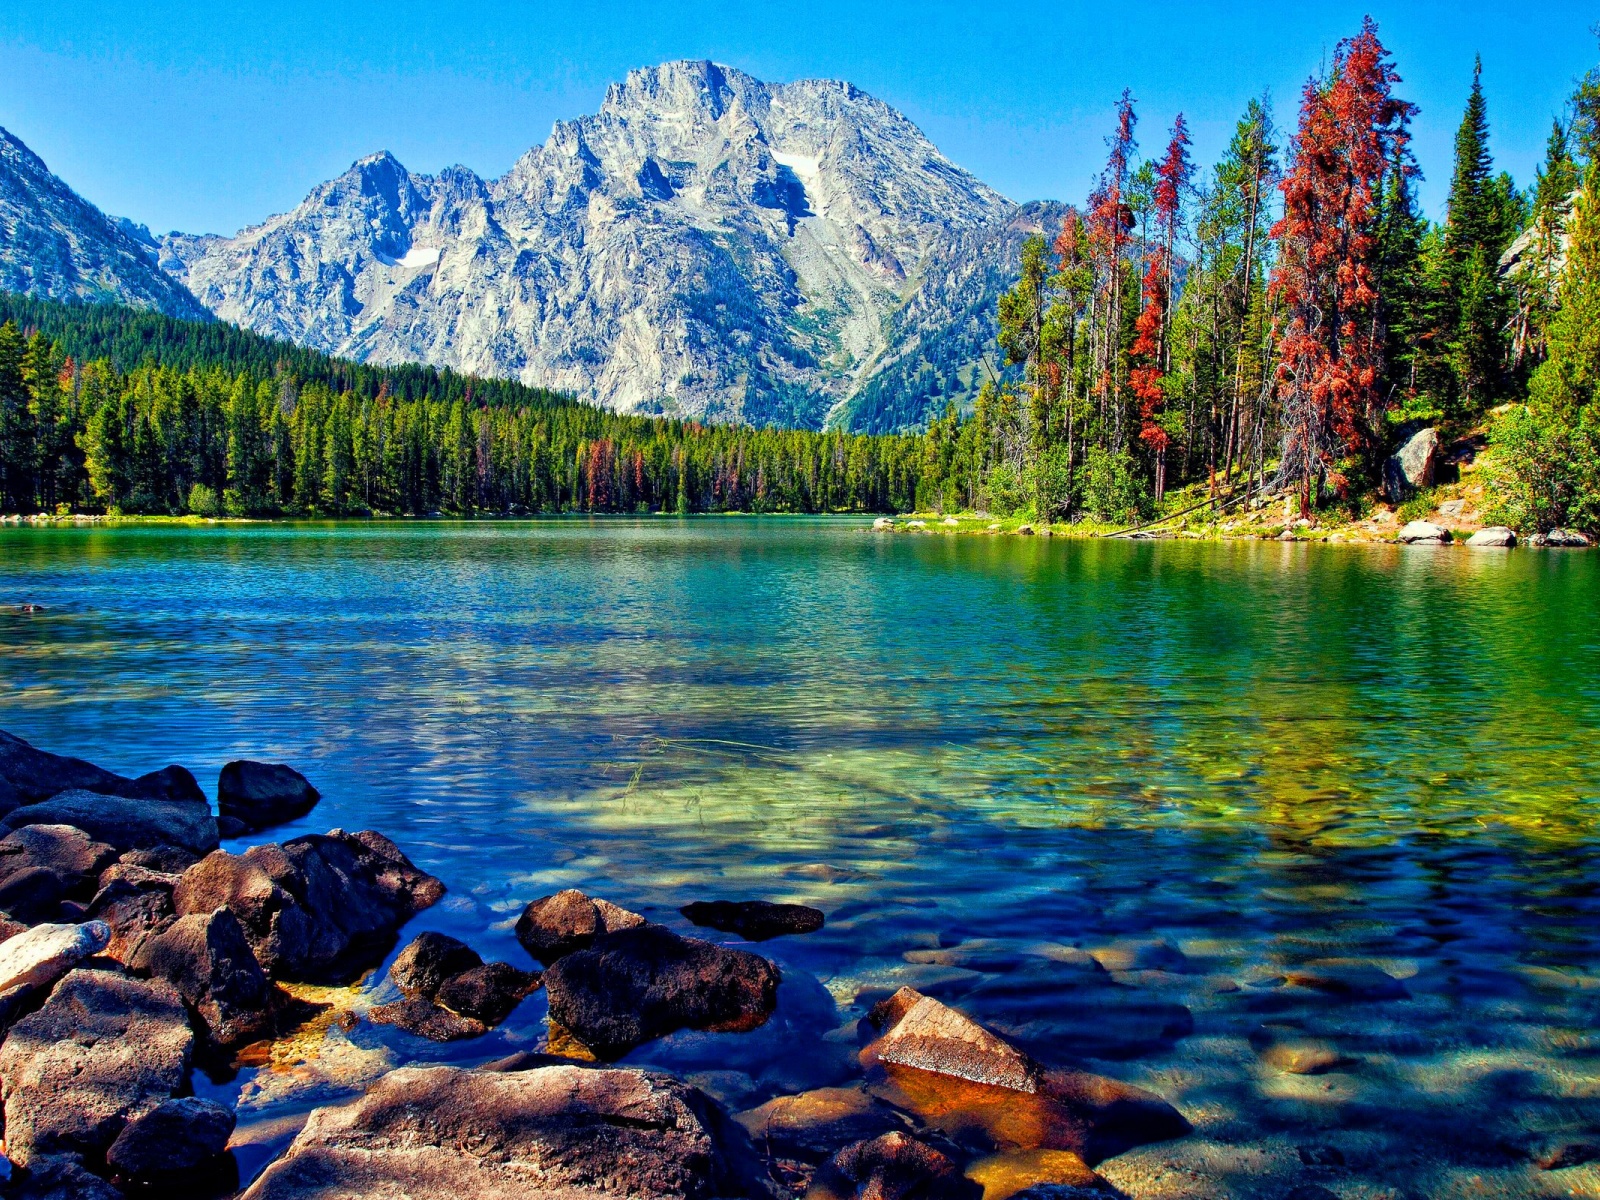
439,1133
431,958
756,920
36,774
1494,535
1411,468
42,955
260,795
175,1138
553,926
1569,538
123,822
1422,533
103,1050
315,908
640,983
206,958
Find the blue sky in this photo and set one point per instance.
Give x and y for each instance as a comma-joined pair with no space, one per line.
206,117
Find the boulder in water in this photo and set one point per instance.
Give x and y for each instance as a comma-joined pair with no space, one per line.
893,1166
640,983
440,1133
813,1126
486,993
423,1017
315,908
35,775
553,926
103,1050
755,920
261,795
431,958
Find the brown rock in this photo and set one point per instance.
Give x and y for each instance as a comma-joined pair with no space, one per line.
1347,979
426,1019
174,1139
641,983
431,958
487,993
1301,1056
755,920
438,1133
103,1050
315,908
260,795
554,926
69,853
170,860
894,1166
206,957
135,907
961,1078
814,1126
32,894
60,1177
921,1032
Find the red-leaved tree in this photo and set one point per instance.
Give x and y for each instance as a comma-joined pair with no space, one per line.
1151,350
1351,128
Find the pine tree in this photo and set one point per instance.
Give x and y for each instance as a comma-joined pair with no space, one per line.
1569,378
1475,237
18,451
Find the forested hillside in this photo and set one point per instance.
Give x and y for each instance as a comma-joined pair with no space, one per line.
110,409
1284,320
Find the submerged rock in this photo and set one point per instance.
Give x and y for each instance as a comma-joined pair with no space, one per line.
261,795
554,926
124,822
641,983
206,957
815,1125
962,1078
755,920
440,1133
894,1166
316,907
1348,980
103,1050
172,1140
1003,1176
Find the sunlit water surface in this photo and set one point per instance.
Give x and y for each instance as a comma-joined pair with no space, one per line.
1264,754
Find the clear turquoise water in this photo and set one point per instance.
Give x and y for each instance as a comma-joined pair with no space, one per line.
1262,753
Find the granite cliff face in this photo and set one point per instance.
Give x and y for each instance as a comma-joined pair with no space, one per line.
706,245
55,243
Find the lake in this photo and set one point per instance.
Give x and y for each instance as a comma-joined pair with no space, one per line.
1210,764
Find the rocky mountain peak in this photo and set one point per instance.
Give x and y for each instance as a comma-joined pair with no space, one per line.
705,244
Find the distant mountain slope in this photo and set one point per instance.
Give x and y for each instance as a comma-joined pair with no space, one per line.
54,243
706,244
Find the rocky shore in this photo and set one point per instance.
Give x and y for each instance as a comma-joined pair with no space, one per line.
134,951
